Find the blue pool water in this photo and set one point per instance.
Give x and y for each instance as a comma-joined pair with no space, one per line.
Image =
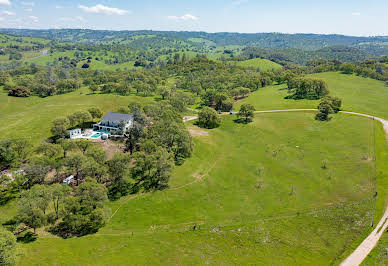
103,131
97,135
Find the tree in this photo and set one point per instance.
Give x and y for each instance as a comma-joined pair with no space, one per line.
13,151
4,78
58,193
83,145
59,128
76,163
36,170
307,88
83,213
152,170
328,105
32,206
347,68
79,118
208,118
246,112
173,136
97,153
95,112
91,194
67,145
118,169
19,91
8,248
94,88
49,150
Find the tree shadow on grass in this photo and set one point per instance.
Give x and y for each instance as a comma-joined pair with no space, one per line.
27,238
242,121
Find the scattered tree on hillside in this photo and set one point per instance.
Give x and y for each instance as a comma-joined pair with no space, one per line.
59,128
246,112
208,118
13,151
307,88
19,91
328,105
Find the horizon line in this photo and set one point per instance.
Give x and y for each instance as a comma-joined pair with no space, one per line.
200,31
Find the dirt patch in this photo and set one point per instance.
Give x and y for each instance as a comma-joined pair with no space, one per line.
189,118
110,147
199,133
197,175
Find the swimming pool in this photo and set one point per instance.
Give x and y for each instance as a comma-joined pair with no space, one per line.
96,136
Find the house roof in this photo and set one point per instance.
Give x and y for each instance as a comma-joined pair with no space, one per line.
117,117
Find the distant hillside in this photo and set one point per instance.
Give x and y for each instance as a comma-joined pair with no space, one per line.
308,42
258,63
299,56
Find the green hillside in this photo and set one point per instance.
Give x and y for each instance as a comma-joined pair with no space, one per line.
262,64
261,197
358,94
32,117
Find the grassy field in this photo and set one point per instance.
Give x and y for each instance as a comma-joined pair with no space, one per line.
378,256
262,64
358,94
282,190
32,117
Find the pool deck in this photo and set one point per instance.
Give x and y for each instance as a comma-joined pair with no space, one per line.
90,135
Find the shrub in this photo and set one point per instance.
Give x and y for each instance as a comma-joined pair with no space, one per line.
19,91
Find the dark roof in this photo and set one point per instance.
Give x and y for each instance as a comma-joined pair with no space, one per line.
117,117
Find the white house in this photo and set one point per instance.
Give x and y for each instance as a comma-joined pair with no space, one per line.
112,122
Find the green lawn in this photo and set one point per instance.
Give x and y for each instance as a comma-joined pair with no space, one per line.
32,117
358,94
259,192
262,64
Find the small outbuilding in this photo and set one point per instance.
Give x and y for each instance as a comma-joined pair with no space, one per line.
68,180
75,133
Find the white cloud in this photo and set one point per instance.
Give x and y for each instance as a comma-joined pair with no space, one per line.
103,10
184,17
1,19
58,7
356,14
34,19
28,9
28,3
75,19
8,13
5,2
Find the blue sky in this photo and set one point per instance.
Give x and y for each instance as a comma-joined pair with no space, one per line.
357,17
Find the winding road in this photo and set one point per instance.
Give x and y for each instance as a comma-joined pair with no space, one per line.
44,52
369,243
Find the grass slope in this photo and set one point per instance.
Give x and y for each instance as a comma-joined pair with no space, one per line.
258,192
358,94
262,64
32,117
